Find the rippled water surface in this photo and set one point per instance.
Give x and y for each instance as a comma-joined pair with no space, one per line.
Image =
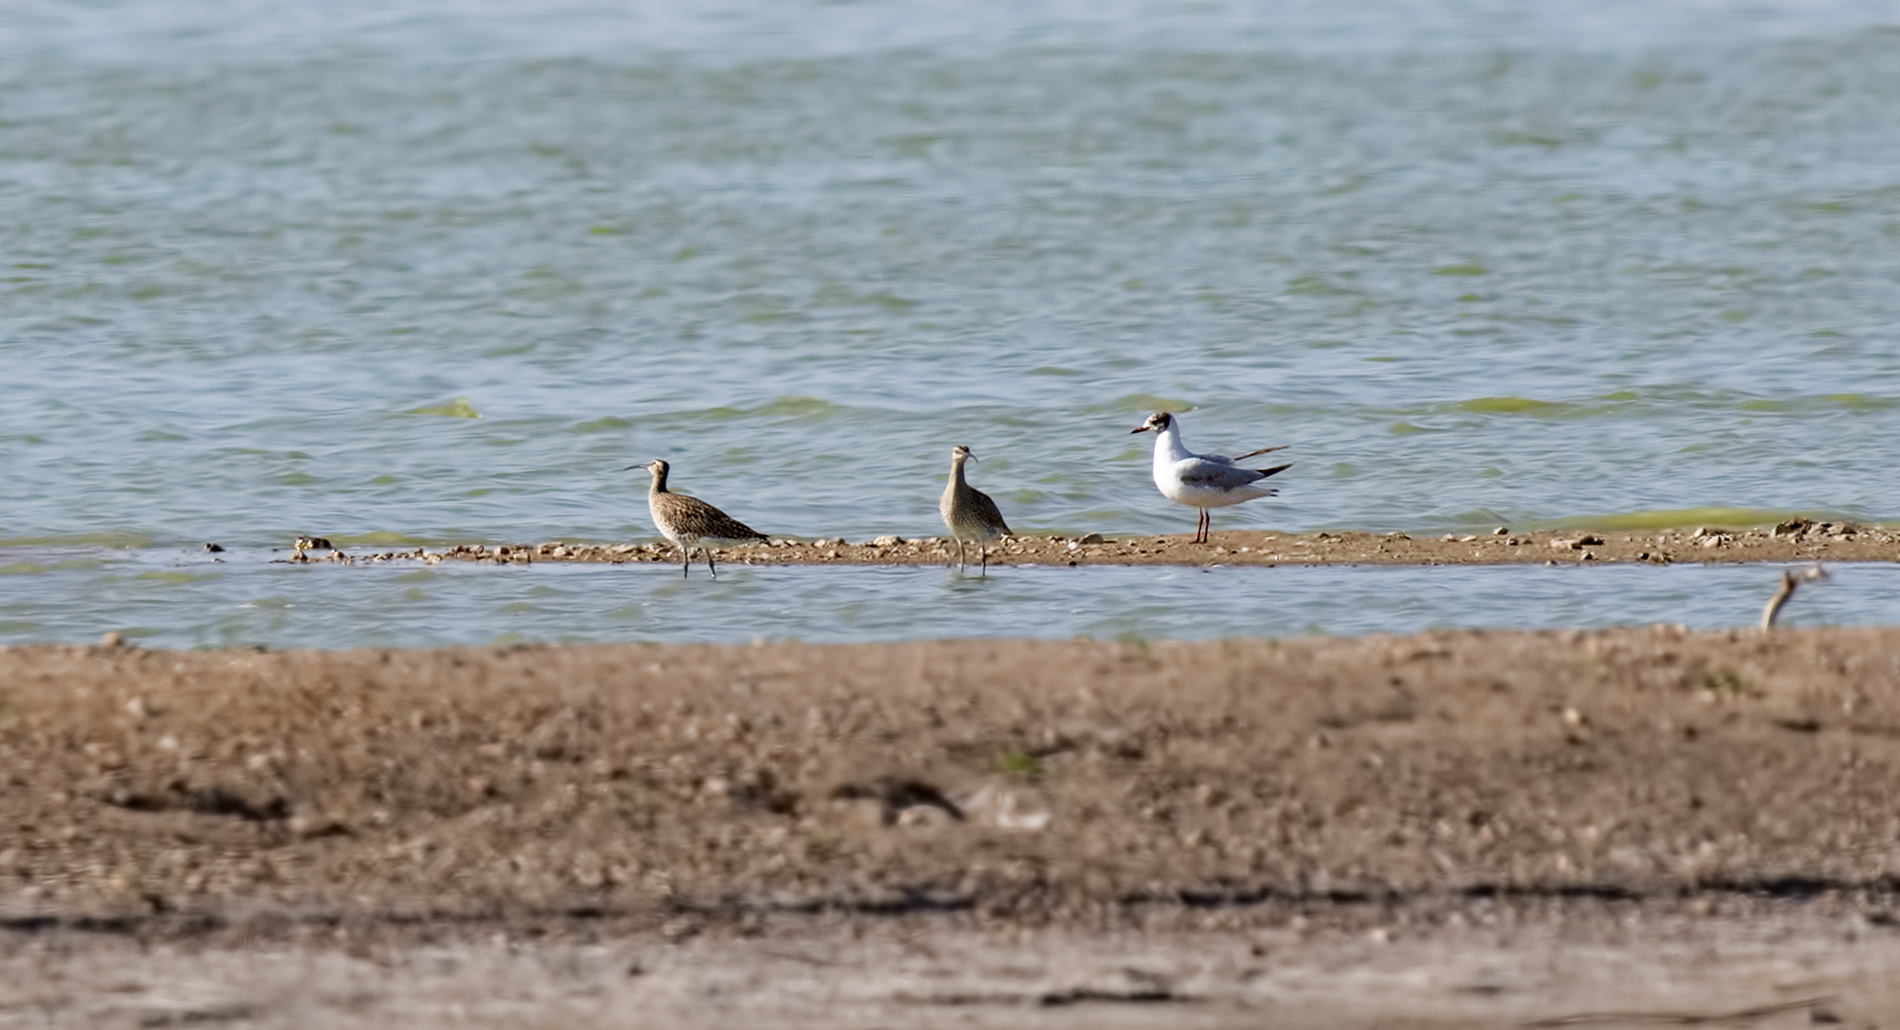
248,600
438,272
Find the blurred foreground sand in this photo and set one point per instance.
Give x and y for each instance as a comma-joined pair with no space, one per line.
1445,829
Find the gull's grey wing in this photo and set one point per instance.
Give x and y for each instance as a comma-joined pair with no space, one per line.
1218,475
1221,459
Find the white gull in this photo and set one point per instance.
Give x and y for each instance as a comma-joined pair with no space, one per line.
1202,481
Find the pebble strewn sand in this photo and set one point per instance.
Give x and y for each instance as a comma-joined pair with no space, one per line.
1478,827
1472,826
1789,542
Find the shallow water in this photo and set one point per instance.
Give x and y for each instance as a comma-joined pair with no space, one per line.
438,272
248,599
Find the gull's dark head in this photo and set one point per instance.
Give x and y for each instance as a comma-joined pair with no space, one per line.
1159,421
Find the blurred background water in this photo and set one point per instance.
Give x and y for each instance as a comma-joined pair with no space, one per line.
433,273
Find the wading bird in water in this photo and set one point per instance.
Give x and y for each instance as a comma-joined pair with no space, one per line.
969,512
691,522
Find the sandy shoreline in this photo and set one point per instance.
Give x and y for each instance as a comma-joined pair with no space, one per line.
1627,791
1797,541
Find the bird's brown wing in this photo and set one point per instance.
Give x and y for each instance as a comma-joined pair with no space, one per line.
702,519
986,510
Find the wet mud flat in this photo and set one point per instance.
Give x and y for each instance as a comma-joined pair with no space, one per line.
1789,542
1459,828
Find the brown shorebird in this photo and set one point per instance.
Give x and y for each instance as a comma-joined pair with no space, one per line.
969,512
304,545
1202,480
691,522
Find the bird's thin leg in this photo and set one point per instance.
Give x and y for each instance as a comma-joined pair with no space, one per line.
983,551
959,556
686,561
707,551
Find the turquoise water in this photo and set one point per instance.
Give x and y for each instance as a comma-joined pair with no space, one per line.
437,272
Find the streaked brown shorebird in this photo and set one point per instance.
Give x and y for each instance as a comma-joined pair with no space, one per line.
969,512
691,522
304,545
